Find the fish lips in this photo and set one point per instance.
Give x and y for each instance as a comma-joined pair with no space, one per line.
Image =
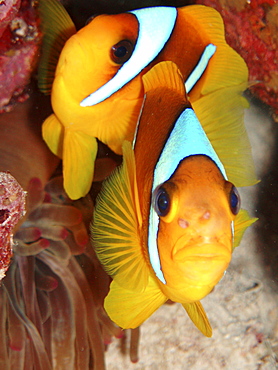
204,263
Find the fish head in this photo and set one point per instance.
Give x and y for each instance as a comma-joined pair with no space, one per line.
93,55
89,59
196,207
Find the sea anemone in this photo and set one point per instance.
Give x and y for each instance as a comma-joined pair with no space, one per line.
49,314
51,298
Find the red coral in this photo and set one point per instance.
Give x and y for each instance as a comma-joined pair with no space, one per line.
8,9
19,45
12,208
252,30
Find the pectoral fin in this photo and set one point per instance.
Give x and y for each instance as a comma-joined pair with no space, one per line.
116,227
241,223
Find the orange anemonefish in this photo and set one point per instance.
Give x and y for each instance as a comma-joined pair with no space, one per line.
97,89
166,221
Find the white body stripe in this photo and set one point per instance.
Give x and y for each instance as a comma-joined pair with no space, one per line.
187,138
200,67
190,82
155,28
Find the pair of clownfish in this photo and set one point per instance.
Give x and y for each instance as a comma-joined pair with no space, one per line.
167,220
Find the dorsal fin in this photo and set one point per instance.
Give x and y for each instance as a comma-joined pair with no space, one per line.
226,67
57,28
165,99
164,74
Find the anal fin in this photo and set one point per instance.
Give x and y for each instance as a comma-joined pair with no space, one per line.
198,316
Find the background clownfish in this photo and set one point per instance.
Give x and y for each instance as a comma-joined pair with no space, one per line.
96,89
166,221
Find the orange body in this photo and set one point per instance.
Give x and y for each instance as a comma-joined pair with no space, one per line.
193,236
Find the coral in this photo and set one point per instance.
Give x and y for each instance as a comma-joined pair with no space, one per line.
252,29
12,208
19,46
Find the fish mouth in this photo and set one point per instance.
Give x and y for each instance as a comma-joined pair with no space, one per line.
202,251
203,263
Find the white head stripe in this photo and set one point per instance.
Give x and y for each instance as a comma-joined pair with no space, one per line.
187,138
200,67
155,27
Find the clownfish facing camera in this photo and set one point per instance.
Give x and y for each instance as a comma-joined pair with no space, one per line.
97,88
166,222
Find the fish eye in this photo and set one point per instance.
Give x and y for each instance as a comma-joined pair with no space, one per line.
122,51
234,200
162,202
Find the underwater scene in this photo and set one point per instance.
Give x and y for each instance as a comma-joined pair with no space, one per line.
138,184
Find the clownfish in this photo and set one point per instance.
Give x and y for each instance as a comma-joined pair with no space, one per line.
96,88
166,222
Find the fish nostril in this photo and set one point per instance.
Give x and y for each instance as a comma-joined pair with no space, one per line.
206,215
183,223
